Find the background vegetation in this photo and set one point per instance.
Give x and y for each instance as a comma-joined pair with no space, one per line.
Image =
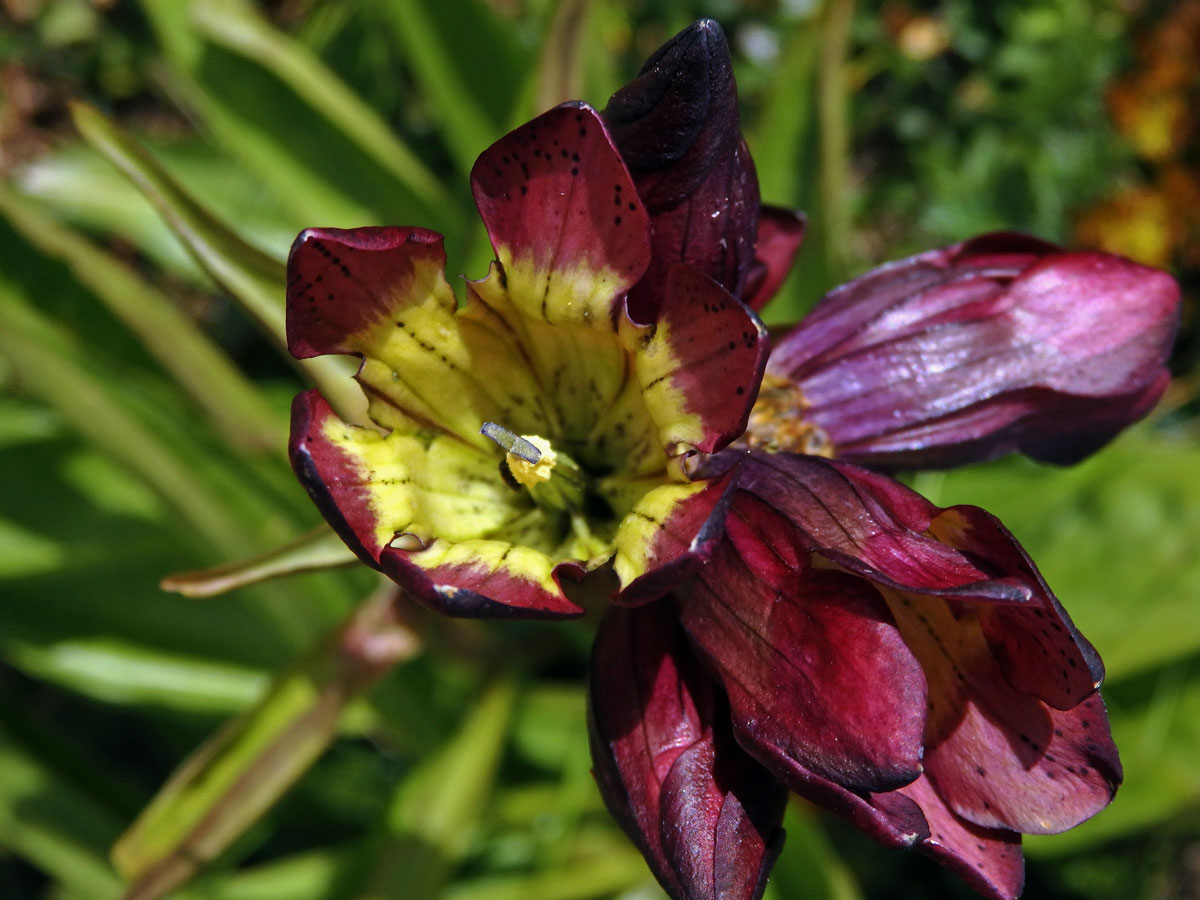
157,159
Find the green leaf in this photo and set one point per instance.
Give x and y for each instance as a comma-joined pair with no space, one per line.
248,273
613,873
467,128
82,188
809,865
24,552
45,359
46,820
196,364
438,807
254,279
312,875
117,671
207,89
559,75
550,724
242,770
781,139
238,27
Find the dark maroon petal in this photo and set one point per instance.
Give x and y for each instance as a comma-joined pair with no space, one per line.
890,818
343,282
678,129
482,579
811,660
563,216
479,590
999,757
705,816
988,859
1039,649
1000,344
871,524
701,364
780,233
331,479
656,552
1013,763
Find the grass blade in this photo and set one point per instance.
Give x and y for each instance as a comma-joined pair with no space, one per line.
196,364
234,778
254,279
238,27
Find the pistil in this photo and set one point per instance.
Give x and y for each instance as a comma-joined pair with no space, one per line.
553,479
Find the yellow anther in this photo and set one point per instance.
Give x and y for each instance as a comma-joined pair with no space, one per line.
532,474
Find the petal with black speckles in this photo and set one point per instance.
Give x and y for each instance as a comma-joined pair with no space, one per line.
564,217
700,364
988,859
1001,758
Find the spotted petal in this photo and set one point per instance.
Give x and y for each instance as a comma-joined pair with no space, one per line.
380,293
705,815
668,534
700,364
564,218
988,859
999,757
423,523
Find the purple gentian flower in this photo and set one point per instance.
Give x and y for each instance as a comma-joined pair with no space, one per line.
782,617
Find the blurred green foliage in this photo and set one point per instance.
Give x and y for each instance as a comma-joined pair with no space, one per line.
145,400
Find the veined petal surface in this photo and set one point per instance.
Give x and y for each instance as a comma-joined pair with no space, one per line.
423,515
811,659
874,526
1001,344
704,814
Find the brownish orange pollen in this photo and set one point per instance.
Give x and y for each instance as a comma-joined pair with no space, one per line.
777,422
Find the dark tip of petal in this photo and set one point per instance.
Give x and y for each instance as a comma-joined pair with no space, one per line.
677,128
658,116
341,280
461,603
307,408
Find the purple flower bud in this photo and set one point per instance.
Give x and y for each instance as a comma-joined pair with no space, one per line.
1001,344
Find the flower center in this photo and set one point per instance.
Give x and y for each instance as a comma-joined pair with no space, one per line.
553,479
776,424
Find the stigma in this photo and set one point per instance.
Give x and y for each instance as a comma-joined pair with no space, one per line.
554,480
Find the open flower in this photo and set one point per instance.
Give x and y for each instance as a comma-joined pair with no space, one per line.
781,619
540,431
